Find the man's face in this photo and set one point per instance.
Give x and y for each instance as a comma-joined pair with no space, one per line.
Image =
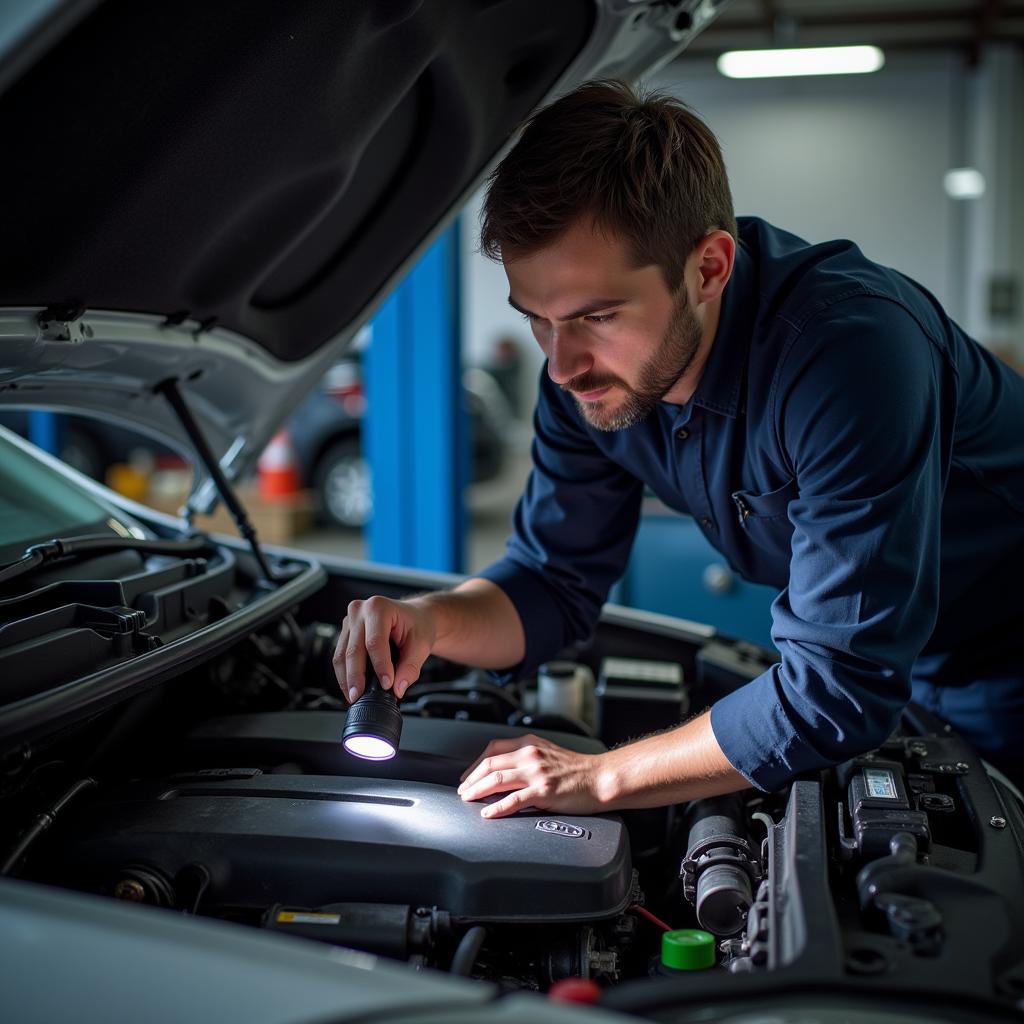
614,335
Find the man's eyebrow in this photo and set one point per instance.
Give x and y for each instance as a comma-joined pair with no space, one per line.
590,307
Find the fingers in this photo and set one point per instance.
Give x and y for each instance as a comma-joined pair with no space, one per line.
382,622
499,780
517,801
501,747
350,659
492,748
413,654
499,773
535,773
487,768
367,634
365,631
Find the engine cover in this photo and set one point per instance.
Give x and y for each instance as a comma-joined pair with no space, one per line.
433,749
311,840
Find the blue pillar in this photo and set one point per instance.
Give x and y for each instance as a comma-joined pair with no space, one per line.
44,430
415,434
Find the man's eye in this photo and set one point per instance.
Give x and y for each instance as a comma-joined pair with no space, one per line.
532,317
600,318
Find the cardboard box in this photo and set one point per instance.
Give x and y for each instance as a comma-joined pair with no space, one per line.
276,521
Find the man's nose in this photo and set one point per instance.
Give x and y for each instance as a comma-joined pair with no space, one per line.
567,355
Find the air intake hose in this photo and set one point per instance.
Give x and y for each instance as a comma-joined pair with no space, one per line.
719,872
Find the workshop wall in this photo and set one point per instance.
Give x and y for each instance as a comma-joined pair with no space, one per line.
850,156
844,156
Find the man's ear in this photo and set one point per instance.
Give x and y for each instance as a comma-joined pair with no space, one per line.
715,255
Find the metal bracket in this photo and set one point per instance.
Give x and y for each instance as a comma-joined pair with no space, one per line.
63,323
727,849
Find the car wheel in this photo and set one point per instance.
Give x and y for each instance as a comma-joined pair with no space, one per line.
343,485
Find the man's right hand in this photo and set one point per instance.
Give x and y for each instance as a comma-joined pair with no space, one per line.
474,624
367,633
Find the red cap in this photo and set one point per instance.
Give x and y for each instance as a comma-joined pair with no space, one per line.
575,990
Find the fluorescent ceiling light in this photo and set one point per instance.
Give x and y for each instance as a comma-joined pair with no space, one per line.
964,183
818,60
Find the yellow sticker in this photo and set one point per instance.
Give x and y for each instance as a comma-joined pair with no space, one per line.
291,917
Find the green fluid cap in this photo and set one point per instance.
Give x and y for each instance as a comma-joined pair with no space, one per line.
688,949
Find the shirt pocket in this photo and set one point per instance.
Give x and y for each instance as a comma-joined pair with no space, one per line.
763,516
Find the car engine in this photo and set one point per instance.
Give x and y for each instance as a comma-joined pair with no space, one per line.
224,792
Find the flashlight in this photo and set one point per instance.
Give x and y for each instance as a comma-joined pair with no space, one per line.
374,724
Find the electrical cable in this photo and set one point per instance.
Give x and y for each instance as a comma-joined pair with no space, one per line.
42,823
643,912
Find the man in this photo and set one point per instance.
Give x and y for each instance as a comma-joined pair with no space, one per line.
830,429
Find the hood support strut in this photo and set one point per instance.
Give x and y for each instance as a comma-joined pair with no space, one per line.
169,389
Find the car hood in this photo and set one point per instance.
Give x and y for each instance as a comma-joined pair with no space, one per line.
223,193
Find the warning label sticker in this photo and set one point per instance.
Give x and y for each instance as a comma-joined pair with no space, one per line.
293,917
880,783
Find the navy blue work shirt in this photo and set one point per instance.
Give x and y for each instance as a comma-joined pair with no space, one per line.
848,444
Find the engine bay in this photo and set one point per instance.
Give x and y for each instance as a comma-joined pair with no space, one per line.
224,793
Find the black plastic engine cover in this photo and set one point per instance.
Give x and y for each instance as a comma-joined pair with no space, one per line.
312,840
434,750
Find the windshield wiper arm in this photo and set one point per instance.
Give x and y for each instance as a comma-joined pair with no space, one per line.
93,544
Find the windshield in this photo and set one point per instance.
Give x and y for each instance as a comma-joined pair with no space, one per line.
36,501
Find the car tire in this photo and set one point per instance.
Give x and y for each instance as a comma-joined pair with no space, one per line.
343,486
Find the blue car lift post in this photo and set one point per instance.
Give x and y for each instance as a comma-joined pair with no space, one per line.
415,433
44,430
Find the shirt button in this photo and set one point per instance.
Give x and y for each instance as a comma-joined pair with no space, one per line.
682,434
705,522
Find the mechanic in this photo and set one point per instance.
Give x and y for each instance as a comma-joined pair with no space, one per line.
832,431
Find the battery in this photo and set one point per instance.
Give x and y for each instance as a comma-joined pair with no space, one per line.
637,696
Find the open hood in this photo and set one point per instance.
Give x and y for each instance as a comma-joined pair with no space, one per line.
222,193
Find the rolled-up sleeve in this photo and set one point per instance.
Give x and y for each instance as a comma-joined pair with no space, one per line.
864,410
572,532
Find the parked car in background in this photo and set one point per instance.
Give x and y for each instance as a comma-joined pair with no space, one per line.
325,435
93,445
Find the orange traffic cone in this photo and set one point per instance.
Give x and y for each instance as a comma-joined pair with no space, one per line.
277,471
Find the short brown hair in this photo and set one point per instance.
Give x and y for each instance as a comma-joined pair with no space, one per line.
642,165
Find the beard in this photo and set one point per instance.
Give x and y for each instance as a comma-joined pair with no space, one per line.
655,378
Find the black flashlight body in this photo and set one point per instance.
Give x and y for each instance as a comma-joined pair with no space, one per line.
374,716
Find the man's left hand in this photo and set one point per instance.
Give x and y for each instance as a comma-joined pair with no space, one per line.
685,763
533,772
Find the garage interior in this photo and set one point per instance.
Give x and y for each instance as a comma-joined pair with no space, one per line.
194,829
946,102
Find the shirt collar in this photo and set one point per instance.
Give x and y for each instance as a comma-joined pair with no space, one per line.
721,385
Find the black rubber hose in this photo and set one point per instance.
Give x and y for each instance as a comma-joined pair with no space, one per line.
468,950
892,872
42,823
40,554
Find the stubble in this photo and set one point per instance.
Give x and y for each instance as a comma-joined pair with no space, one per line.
655,378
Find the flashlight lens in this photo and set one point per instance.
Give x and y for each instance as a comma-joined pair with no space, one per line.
372,748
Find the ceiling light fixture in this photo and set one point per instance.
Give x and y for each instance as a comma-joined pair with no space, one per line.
817,60
964,183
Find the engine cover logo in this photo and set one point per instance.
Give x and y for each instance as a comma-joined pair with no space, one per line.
562,828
